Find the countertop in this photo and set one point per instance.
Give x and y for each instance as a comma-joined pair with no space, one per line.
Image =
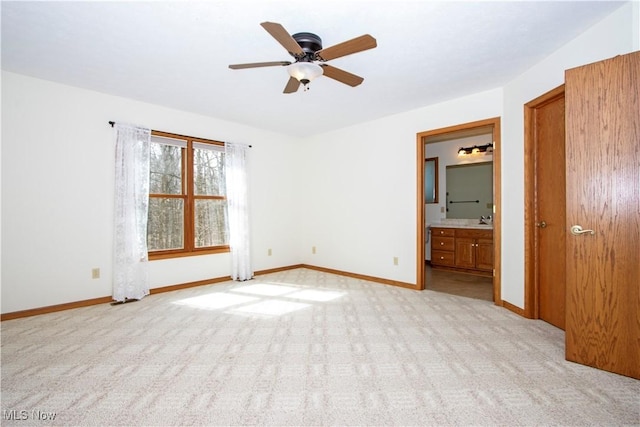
470,226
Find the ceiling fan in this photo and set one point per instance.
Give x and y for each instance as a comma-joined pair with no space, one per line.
310,57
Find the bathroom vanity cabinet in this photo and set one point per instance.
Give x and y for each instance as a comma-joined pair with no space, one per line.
468,250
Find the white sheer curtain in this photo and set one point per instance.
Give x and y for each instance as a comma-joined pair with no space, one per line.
237,199
130,260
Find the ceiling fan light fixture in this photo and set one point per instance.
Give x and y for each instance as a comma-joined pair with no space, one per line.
304,72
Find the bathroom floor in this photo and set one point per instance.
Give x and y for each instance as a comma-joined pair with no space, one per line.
461,284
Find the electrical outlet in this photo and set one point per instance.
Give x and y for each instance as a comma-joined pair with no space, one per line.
313,249
441,209
95,273
269,252
395,260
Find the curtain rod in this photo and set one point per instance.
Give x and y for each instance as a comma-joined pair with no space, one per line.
112,123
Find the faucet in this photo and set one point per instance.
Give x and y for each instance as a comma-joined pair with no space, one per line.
483,219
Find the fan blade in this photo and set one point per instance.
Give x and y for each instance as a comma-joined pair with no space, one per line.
358,44
259,64
341,75
283,37
292,85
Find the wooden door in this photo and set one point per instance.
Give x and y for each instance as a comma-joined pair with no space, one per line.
550,214
603,194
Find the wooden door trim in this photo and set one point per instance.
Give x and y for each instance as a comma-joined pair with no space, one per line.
531,291
497,199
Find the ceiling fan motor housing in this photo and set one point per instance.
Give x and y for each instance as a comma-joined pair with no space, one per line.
310,44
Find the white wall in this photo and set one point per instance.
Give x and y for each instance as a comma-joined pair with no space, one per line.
610,37
57,192
360,188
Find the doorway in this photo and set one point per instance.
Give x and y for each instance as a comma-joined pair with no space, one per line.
493,126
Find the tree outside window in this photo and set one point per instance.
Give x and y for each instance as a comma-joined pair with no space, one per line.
187,197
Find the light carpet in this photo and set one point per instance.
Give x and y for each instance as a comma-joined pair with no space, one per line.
301,348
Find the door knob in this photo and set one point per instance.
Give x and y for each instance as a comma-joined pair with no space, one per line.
541,224
577,230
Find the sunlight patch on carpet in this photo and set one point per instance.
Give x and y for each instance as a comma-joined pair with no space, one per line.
262,299
266,289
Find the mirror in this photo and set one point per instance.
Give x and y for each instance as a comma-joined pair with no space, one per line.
431,180
469,190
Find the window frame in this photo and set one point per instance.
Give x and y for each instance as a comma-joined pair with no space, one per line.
189,198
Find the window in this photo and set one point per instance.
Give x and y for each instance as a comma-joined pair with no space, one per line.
187,197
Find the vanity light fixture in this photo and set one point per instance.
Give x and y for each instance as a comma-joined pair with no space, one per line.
476,149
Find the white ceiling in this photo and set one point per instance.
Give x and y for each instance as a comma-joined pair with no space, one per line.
176,53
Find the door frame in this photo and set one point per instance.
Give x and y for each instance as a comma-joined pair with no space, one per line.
497,203
531,261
